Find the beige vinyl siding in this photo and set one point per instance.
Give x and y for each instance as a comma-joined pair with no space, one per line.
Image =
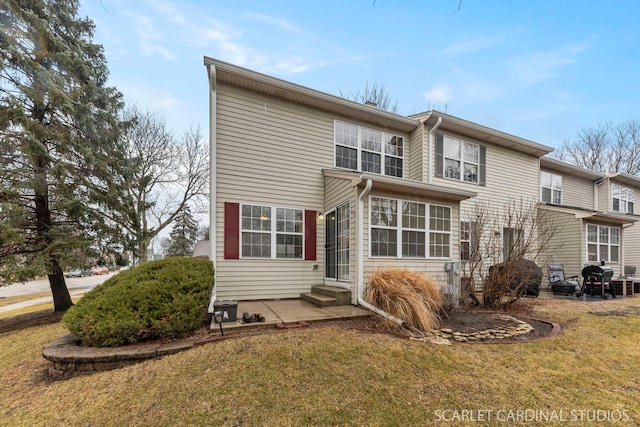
270,153
417,154
509,175
567,246
577,192
511,179
338,192
604,196
631,241
433,267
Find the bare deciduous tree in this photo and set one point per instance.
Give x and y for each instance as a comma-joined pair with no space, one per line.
375,94
504,240
161,177
605,148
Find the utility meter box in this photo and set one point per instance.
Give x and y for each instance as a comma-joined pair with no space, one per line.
229,310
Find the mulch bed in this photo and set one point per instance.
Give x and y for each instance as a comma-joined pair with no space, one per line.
460,321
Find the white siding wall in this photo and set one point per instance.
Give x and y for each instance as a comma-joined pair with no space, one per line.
631,239
604,197
567,245
434,267
272,152
576,192
417,155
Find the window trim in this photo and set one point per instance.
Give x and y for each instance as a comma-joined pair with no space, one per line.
627,201
399,228
440,161
274,233
386,152
599,245
551,189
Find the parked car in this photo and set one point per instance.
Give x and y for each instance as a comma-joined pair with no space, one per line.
79,273
100,270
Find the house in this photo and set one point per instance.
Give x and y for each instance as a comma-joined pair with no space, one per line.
594,216
311,189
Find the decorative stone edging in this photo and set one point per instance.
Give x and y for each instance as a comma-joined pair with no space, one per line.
444,336
67,358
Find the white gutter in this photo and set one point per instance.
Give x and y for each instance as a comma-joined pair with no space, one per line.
211,69
431,161
360,260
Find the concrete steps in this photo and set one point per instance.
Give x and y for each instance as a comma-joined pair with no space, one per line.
327,296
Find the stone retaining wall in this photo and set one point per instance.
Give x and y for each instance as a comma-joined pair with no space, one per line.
68,359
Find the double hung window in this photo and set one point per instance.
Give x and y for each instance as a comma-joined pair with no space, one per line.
271,232
461,160
551,188
622,198
405,229
603,243
368,150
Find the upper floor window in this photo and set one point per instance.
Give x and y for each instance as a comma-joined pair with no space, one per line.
460,160
603,243
551,188
368,150
406,229
622,198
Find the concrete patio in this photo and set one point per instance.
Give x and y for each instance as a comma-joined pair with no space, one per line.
288,312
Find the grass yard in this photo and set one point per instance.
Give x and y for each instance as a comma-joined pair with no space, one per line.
327,376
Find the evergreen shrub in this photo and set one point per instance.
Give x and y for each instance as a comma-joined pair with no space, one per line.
163,299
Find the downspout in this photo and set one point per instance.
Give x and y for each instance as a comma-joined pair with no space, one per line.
212,179
360,259
596,201
430,160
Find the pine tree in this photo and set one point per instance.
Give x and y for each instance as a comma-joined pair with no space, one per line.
58,136
184,234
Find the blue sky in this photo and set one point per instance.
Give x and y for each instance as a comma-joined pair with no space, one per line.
540,69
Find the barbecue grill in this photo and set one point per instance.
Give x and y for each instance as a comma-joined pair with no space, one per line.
596,280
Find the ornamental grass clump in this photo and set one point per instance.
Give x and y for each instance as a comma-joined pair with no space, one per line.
409,295
163,299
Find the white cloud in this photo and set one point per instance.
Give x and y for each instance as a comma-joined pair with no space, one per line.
439,94
466,46
149,37
538,67
169,10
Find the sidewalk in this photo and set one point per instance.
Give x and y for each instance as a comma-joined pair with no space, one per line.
41,300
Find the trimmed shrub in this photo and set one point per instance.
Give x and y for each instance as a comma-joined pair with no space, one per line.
409,295
162,299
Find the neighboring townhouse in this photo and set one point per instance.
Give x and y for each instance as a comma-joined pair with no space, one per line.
310,189
593,215
501,168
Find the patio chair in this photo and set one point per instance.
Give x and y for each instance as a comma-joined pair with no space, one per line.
559,283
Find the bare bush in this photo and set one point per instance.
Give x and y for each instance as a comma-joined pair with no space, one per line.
406,294
510,239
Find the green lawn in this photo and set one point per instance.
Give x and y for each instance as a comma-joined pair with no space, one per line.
326,376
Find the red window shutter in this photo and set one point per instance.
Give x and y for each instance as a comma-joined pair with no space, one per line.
231,230
310,235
